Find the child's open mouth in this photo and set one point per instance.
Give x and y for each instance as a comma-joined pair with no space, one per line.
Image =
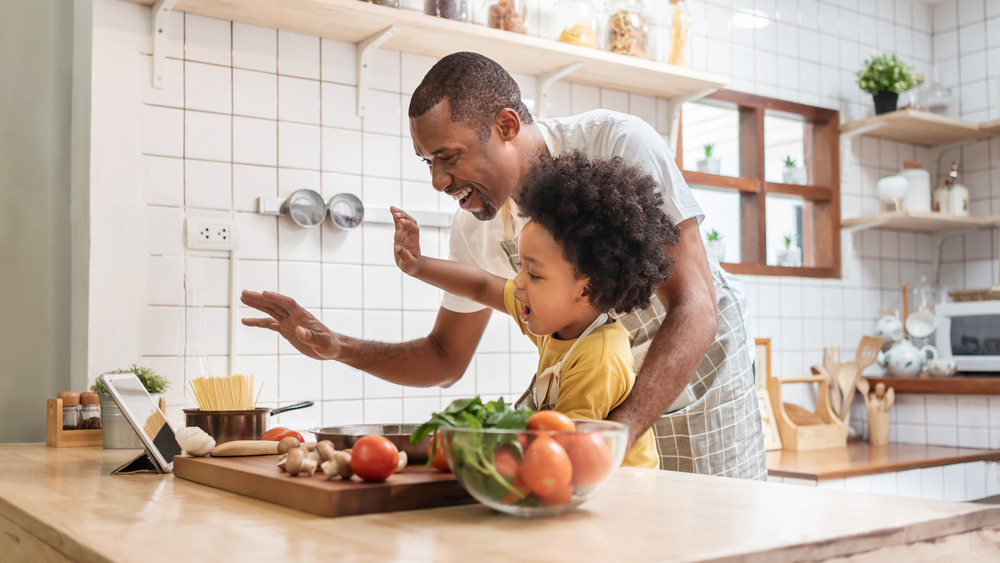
525,313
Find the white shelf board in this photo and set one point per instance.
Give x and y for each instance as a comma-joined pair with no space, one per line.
917,127
353,21
918,221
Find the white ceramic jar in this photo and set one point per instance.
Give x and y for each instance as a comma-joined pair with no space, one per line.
918,197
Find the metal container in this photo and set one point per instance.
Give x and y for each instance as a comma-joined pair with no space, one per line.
344,437
116,432
226,426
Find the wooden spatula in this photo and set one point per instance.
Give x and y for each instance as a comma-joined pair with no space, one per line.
867,352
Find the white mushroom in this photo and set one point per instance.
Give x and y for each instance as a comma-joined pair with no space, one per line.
194,441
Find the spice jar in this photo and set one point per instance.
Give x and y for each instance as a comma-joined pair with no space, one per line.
680,32
450,9
90,412
508,15
628,31
569,21
71,410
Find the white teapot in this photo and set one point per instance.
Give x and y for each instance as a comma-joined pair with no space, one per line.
906,360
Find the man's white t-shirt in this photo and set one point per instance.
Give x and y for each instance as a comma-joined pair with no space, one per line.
598,134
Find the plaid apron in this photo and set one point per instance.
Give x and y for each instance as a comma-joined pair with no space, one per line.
716,427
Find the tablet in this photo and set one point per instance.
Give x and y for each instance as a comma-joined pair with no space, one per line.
145,416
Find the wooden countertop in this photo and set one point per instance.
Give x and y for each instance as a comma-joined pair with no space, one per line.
859,458
63,502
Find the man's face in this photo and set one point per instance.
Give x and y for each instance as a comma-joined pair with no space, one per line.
474,173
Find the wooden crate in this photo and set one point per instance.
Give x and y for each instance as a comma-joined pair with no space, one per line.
828,431
56,437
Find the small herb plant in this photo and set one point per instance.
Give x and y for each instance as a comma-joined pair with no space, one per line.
713,235
885,73
790,162
789,240
708,149
152,381
472,453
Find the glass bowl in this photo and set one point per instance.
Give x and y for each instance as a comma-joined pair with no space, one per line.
535,473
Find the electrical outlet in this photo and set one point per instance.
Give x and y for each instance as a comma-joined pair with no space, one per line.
211,233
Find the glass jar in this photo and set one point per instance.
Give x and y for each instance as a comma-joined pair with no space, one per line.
450,9
628,29
70,410
680,33
569,21
90,412
390,3
508,15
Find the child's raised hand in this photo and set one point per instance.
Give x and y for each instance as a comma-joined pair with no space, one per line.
406,242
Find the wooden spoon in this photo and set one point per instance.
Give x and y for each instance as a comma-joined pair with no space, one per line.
800,416
890,398
863,388
846,378
834,389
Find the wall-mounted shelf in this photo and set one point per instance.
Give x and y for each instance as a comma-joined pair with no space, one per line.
937,223
990,128
355,22
958,385
917,127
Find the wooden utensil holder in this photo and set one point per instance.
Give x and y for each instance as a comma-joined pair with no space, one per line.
56,437
878,428
830,433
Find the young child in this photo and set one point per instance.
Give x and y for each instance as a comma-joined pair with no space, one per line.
596,242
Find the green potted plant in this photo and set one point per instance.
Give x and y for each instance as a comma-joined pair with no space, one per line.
713,239
792,173
884,77
790,254
117,432
709,164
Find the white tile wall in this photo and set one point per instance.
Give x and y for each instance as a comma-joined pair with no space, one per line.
250,112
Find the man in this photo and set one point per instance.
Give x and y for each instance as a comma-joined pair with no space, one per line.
694,351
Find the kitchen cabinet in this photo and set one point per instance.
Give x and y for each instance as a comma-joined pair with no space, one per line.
62,504
368,26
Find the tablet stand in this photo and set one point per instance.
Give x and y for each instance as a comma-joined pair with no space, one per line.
143,463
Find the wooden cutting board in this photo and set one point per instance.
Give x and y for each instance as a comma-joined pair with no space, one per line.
259,477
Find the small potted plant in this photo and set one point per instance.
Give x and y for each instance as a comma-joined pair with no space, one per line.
709,164
117,433
715,244
792,173
790,254
884,77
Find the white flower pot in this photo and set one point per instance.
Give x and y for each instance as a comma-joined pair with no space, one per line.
793,175
709,165
790,257
717,248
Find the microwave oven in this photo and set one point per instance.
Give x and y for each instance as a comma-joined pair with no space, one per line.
969,332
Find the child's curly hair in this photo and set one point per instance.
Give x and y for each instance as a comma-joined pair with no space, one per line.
608,219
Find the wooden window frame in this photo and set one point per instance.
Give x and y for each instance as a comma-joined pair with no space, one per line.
821,194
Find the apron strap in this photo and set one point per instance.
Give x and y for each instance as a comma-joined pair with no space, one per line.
509,242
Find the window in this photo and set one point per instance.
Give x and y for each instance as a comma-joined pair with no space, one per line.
766,173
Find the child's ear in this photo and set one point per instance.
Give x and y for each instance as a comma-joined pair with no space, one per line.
585,294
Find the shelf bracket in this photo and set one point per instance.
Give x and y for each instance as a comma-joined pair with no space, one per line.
935,157
545,82
161,10
674,112
364,50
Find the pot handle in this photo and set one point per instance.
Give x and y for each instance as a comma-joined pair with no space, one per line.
292,407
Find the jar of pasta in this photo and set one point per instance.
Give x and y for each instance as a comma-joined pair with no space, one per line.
390,3
569,21
508,15
451,9
628,28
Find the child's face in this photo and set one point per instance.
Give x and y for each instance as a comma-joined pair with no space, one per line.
555,301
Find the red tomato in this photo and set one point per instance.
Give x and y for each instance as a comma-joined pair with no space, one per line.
551,420
523,440
438,460
591,459
270,434
291,433
557,497
506,462
374,458
546,467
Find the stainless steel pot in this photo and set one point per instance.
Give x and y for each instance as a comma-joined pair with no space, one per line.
226,426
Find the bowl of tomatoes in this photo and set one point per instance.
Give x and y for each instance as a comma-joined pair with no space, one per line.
550,467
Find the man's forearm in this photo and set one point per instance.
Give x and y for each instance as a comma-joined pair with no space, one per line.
674,354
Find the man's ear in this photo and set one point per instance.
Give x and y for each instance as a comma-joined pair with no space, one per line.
508,124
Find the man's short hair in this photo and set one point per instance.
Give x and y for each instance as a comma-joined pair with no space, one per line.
476,88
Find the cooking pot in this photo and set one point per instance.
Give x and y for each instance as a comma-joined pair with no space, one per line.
226,426
344,437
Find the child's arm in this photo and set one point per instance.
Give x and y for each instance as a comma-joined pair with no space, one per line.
464,280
